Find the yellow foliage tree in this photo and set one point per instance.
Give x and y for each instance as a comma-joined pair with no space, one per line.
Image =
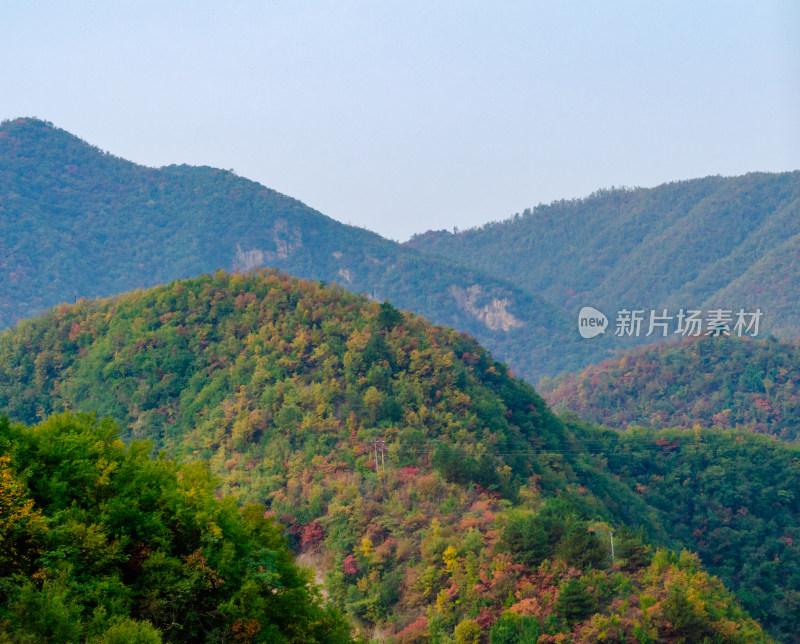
450,558
19,521
366,548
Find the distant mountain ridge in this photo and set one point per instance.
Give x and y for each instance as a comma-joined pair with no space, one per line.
78,222
730,242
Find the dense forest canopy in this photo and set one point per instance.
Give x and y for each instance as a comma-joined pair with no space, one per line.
436,495
711,382
100,542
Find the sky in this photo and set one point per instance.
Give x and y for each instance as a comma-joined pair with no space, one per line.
402,117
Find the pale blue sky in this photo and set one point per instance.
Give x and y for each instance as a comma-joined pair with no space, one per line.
405,116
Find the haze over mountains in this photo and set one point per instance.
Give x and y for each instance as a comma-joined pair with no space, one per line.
77,222
702,244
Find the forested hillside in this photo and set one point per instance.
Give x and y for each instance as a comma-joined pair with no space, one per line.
436,495
77,222
729,242
711,382
729,495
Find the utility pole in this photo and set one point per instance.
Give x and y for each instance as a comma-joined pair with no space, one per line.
379,445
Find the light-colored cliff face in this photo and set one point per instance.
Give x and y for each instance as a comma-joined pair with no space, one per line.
287,239
492,314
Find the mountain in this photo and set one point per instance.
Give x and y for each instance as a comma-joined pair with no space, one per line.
709,382
436,495
78,222
705,244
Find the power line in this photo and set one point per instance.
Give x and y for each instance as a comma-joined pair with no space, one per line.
584,449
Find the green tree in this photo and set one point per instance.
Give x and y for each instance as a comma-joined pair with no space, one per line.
574,601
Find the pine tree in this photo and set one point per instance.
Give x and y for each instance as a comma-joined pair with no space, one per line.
574,602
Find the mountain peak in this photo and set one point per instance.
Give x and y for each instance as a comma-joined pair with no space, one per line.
83,223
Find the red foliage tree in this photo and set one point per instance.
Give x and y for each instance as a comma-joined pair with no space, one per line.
350,565
312,534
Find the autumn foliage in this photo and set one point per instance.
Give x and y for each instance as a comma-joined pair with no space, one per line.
481,515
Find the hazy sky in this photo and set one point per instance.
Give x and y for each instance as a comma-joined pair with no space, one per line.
405,116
